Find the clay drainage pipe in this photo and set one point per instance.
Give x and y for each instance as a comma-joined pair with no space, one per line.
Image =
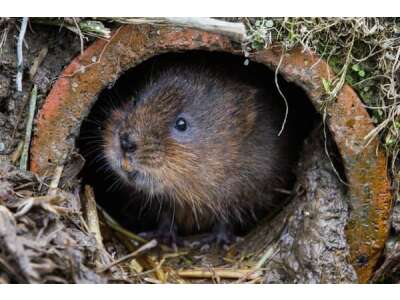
76,90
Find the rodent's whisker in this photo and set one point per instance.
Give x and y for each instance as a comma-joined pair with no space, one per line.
117,182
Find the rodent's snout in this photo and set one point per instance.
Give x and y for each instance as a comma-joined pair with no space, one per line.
127,143
138,151
128,147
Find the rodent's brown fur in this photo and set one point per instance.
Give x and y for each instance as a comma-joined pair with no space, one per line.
229,168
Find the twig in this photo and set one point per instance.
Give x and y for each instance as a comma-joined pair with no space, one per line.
235,31
157,266
47,202
93,226
222,273
257,269
20,58
152,280
282,94
24,101
342,79
157,269
126,233
145,247
55,181
38,61
92,217
268,254
80,34
116,227
86,27
3,39
15,156
324,121
23,163
32,72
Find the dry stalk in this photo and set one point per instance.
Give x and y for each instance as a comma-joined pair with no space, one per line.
92,217
141,250
221,273
23,164
235,31
20,57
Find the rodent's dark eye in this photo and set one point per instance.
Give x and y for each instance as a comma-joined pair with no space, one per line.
181,124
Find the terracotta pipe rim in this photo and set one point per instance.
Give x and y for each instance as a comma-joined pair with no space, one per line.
78,86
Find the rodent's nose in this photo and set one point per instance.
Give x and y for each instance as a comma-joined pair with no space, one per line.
127,143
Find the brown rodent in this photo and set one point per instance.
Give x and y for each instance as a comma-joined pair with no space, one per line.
205,143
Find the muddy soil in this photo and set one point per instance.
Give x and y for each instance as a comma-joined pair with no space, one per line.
61,46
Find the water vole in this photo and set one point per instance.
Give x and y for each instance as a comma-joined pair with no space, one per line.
204,142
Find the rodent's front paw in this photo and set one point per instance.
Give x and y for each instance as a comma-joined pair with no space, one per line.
222,235
168,237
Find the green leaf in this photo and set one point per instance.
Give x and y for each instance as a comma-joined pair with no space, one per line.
355,68
327,85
